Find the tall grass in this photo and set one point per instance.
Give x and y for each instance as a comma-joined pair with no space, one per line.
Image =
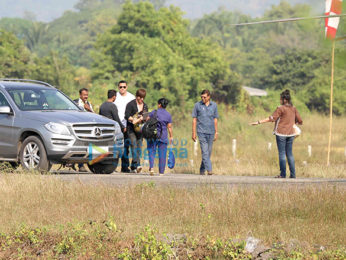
252,154
315,215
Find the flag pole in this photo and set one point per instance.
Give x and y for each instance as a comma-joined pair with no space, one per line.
331,105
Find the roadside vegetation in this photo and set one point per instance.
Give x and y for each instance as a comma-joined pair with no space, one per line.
43,216
252,154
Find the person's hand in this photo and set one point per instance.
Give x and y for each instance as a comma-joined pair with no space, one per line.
194,138
171,140
138,120
125,130
255,123
87,107
216,136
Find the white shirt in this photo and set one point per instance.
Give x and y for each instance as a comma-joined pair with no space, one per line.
121,102
81,104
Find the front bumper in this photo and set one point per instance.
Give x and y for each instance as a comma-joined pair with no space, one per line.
67,149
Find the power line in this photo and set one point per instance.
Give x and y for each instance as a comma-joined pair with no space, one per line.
289,20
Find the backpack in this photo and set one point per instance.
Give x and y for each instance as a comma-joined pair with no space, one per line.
149,128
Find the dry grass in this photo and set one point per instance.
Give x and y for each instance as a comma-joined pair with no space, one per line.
312,215
253,157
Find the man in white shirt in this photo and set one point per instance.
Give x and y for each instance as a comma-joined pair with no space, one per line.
82,101
123,98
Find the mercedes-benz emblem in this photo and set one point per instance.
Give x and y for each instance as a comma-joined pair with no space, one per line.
97,131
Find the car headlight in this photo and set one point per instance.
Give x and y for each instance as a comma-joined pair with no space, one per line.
57,128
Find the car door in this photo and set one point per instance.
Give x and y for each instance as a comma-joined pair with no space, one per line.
7,146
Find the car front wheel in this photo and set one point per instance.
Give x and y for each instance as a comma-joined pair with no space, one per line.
33,155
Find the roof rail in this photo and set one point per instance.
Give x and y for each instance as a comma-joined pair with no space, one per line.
29,81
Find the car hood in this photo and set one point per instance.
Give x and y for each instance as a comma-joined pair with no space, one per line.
66,117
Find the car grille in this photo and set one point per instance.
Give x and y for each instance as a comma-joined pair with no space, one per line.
94,132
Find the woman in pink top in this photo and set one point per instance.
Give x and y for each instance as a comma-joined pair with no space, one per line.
285,116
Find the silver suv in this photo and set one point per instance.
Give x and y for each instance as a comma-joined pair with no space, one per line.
41,126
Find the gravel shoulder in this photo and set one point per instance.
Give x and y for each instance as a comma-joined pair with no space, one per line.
191,180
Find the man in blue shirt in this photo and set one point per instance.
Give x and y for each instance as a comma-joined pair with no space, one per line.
205,118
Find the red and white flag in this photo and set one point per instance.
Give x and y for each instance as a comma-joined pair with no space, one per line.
333,7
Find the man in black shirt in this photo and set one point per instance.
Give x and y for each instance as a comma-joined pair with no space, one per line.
110,110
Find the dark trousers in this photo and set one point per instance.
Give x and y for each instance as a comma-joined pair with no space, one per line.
125,162
285,145
136,149
162,149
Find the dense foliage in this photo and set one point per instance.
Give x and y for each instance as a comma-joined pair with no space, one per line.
155,48
155,51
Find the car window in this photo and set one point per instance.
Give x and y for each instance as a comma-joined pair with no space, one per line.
3,101
17,99
41,99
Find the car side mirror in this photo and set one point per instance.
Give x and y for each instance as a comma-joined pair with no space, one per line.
5,110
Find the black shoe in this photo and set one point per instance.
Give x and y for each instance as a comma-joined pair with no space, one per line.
125,170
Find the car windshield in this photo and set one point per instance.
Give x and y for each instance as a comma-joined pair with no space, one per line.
41,99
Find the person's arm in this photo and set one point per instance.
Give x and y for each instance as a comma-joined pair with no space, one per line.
298,118
277,113
194,125
170,132
216,116
262,121
216,132
128,112
116,118
194,122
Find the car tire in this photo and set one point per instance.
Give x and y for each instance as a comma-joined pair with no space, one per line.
33,155
101,168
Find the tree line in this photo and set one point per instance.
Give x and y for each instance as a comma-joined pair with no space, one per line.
156,48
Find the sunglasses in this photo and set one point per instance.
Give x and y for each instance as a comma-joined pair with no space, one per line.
122,86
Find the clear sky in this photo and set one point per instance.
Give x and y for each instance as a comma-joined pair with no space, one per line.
47,10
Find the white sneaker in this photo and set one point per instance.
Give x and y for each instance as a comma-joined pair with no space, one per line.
82,169
139,169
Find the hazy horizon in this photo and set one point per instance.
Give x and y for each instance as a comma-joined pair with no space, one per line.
48,10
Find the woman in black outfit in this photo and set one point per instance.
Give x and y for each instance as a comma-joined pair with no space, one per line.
135,115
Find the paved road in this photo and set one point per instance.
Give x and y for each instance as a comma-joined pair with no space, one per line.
191,180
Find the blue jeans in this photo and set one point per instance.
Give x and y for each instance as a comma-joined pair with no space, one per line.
285,144
162,149
206,142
